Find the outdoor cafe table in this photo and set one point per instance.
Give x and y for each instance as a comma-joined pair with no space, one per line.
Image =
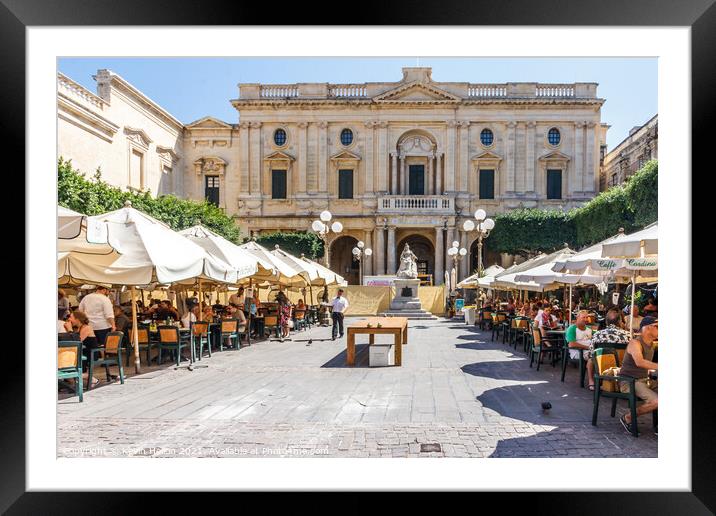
396,326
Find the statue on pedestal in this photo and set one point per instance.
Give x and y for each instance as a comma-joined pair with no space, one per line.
408,267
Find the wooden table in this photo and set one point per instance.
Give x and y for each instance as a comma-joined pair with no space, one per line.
396,326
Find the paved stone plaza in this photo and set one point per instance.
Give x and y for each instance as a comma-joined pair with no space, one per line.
457,395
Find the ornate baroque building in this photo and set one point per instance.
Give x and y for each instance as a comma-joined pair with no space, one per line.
630,155
395,162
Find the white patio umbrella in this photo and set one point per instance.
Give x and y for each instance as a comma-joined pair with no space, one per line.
287,273
636,245
144,251
69,223
475,281
326,275
507,279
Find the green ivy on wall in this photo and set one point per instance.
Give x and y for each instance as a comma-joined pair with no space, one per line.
296,243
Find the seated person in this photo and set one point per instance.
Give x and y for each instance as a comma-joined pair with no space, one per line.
636,319
300,305
165,310
651,308
190,317
637,364
579,340
63,326
207,315
612,333
546,321
121,321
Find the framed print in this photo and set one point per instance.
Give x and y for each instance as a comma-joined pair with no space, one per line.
445,225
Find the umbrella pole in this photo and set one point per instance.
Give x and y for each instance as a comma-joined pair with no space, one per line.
135,332
569,317
631,311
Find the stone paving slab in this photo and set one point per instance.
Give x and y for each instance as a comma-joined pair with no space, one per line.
456,389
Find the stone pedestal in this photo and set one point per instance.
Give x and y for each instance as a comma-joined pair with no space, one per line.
406,302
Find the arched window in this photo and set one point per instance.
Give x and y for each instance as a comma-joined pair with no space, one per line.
346,137
487,137
279,137
553,136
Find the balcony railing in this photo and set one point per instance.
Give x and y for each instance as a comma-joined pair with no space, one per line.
416,204
347,90
279,91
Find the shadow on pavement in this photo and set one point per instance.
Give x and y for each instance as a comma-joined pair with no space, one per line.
339,361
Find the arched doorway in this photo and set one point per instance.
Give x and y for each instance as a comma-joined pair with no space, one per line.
424,250
342,260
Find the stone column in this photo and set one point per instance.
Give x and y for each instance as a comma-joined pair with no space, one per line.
463,165
578,157
302,158
464,263
511,156
439,174
391,268
430,189
439,255
244,159
379,250
369,187
322,162
403,176
394,173
530,157
368,260
449,237
255,143
450,157
383,156
589,162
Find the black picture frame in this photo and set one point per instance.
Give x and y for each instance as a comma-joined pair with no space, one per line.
700,15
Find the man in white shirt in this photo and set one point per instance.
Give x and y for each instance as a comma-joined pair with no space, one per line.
339,304
98,309
190,317
237,298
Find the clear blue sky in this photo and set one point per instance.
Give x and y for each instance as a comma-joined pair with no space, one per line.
191,88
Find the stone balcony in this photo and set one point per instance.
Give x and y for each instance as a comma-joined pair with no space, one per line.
417,204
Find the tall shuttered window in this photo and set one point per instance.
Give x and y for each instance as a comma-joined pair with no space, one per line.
487,184
211,190
554,184
345,184
278,184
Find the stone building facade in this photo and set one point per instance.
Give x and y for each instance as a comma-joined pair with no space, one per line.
395,162
640,146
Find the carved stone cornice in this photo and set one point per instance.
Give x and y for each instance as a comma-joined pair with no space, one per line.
322,125
138,136
302,125
210,165
531,124
244,125
255,125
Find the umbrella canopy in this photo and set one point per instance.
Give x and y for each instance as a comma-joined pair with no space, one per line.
637,245
245,263
69,223
144,250
544,275
488,276
590,262
287,273
326,275
508,278
307,270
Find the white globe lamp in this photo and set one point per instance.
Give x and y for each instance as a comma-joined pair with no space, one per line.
468,225
336,227
317,226
480,214
326,216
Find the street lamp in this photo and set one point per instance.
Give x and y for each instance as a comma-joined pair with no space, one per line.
322,229
358,252
483,227
456,253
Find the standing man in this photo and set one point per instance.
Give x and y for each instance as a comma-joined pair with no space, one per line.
100,313
338,308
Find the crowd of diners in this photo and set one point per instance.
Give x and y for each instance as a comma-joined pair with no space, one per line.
96,315
583,336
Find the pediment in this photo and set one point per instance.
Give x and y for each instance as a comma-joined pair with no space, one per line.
167,152
278,155
208,122
417,92
137,135
345,156
554,156
210,159
487,155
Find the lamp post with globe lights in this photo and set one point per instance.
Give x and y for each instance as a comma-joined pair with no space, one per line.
484,226
358,251
457,253
322,229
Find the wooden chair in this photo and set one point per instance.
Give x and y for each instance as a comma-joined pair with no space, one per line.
170,339
144,343
200,335
69,364
541,346
271,324
518,327
603,359
229,333
110,354
497,319
299,319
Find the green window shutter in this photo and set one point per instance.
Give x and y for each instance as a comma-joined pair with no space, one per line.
345,184
487,184
278,184
554,184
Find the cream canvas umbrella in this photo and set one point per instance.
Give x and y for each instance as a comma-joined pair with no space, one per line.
507,279
287,273
325,275
636,245
69,223
488,276
144,251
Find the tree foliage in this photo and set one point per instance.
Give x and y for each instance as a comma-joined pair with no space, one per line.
92,197
631,206
308,244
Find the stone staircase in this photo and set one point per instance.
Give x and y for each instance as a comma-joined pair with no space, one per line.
410,314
